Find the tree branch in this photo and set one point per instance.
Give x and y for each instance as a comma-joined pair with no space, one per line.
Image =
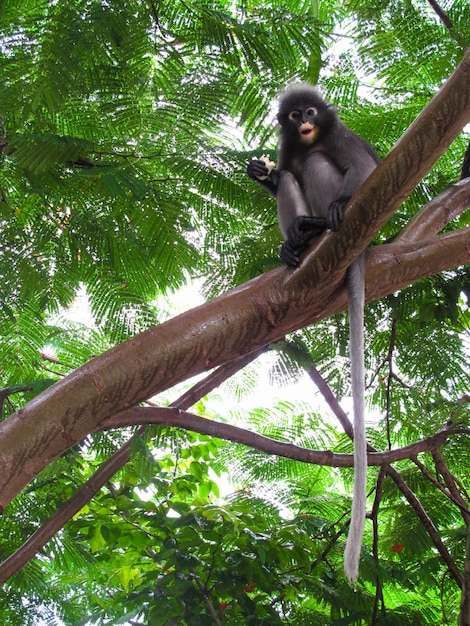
453,492
106,471
255,314
465,171
379,597
427,523
189,421
435,215
388,268
464,617
441,14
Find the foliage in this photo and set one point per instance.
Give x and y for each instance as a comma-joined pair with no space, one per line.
124,130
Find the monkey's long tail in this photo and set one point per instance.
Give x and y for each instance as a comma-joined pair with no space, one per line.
356,288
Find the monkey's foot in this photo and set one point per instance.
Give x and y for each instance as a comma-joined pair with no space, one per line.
304,228
289,255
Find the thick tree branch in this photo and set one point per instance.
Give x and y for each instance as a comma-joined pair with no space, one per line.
383,277
401,265
435,215
255,314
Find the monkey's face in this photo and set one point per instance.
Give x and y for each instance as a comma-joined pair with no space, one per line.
304,121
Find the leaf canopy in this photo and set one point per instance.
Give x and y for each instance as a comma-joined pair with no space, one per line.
125,127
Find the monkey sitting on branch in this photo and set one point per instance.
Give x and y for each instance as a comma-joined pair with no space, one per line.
321,164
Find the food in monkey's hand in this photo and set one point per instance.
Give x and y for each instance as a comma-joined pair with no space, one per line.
270,165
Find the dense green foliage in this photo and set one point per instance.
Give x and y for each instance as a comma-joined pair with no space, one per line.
124,131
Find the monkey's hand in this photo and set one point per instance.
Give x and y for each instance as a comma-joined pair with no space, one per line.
335,213
304,228
299,234
257,169
262,170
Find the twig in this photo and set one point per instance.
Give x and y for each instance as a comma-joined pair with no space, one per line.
464,617
389,360
379,597
454,493
207,600
427,523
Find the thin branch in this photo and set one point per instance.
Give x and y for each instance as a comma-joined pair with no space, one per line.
458,501
427,523
203,591
331,401
106,471
182,419
445,19
379,597
413,500
464,617
389,361
451,485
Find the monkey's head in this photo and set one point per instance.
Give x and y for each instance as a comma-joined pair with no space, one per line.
303,115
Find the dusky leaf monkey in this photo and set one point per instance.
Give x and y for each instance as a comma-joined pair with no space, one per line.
321,164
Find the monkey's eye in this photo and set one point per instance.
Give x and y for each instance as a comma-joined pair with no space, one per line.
311,112
294,115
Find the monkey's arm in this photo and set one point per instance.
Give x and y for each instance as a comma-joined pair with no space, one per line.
259,171
335,212
295,220
356,159
356,173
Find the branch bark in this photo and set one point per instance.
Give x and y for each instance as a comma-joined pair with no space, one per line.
433,217
257,313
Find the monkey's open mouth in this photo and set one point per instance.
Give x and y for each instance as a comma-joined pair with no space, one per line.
308,132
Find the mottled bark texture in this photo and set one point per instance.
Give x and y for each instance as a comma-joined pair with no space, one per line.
258,312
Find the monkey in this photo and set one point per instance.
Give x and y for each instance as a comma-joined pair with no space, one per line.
321,164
